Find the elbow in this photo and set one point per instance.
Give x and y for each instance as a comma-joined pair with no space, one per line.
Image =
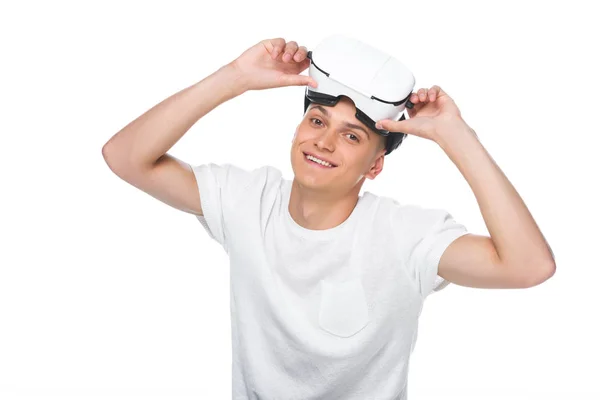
105,152
120,163
113,159
550,270
543,273
108,155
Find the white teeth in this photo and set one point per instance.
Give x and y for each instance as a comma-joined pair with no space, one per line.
319,161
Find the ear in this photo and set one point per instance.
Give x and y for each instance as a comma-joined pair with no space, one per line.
377,166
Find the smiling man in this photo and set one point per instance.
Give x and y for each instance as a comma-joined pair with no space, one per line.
327,285
332,155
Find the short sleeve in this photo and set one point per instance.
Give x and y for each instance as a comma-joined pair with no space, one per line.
430,232
220,187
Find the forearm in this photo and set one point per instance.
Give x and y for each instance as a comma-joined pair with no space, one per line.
144,140
516,236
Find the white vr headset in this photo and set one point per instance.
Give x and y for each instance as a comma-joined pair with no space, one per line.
378,84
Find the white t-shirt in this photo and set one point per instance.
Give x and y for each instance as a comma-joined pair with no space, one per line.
321,314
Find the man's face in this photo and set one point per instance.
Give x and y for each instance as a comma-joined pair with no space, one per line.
334,134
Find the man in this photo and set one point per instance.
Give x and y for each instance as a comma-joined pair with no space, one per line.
326,285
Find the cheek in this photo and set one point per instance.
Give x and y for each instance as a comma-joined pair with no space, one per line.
302,136
357,162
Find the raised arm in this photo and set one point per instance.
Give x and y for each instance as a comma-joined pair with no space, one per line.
138,152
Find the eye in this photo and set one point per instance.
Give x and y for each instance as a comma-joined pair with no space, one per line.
354,140
315,119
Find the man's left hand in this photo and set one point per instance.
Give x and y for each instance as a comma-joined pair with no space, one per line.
434,113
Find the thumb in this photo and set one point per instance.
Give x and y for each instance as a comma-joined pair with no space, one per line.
411,126
297,80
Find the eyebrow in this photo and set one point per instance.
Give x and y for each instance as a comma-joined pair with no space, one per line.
345,123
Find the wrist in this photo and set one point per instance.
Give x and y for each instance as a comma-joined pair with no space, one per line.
452,131
238,81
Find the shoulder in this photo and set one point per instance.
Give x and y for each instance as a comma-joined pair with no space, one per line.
264,179
405,218
237,178
391,207
259,185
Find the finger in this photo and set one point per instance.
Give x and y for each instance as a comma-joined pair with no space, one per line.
414,98
278,45
290,50
415,110
389,125
302,65
422,94
432,93
297,80
301,54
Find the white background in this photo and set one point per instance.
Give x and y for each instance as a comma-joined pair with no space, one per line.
107,293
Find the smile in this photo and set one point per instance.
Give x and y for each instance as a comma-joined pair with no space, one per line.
318,162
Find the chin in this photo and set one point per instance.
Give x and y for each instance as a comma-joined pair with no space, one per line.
310,176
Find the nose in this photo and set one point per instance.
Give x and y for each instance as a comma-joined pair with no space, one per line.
327,140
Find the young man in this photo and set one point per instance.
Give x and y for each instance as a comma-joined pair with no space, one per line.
326,285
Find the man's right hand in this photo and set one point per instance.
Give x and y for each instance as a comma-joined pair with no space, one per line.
273,63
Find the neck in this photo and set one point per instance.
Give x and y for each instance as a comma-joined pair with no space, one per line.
320,210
